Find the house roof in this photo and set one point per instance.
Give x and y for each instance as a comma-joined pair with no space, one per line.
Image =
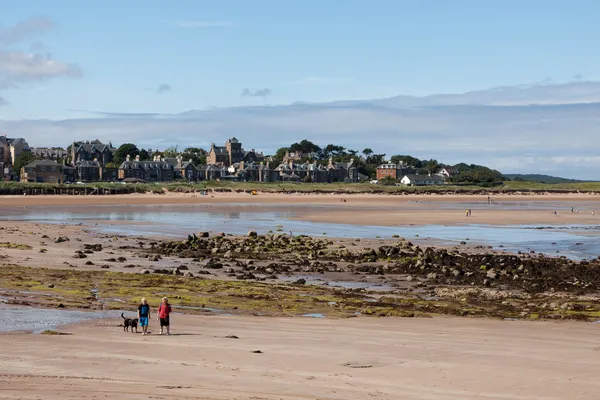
220,150
85,163
94,147
147,165
423,178
36,163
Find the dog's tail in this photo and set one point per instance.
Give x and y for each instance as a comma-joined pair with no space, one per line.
122,316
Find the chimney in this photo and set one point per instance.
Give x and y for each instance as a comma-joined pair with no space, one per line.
128,158
137,158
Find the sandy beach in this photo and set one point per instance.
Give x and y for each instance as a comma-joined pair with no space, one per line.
361,209
358,358
439,358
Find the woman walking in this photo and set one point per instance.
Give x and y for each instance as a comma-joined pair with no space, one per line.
164,310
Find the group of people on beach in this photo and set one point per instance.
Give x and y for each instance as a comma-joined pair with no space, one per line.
163,316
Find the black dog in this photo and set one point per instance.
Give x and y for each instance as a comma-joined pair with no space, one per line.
129,322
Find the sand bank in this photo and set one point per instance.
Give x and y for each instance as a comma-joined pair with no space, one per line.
359,358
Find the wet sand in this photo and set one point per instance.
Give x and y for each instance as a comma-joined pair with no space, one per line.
383,210
302,358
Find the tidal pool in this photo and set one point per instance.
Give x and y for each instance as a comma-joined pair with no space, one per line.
18,318
573,241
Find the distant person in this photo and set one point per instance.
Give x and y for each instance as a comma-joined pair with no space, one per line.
555,213
143,315
572,210
489,199
467,213
593,212
470,212
164,312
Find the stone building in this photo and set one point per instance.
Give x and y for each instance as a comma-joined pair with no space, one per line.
226,155
157,170
46,171
10,149
90,151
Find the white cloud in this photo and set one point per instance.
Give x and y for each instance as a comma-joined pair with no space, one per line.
203,24
23,29
18,67
26,67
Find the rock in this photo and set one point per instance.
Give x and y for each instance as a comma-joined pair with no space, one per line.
51,285
203,234
456,272
121,259
300,282
105,267
93,247
228,254
89,263
60,305
486,282
252,234
183,268
188,274
432,275
463,242
61,239
79,255
231,337
154,257
145,272
409,278
257,352
492,274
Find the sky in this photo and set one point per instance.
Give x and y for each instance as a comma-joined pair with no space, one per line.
63,60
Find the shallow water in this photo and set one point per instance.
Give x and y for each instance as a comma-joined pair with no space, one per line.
15,318
180,220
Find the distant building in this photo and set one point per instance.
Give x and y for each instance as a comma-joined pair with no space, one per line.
157,170
50,153
90,151
226,155
422,180
185,170
395,171
448,172
10,149
46,171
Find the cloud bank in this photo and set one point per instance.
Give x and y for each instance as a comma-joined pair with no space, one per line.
559,139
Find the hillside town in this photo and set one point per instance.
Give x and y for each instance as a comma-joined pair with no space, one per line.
94,161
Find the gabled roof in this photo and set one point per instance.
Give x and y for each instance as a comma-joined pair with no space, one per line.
146,165
220,150
46,163
423,178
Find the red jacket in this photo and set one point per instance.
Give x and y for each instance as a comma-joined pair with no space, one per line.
163,312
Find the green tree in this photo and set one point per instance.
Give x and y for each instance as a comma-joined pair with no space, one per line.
408,160
145,154
388,181
367,152
432,166
22,160
171,152
305,147
126,149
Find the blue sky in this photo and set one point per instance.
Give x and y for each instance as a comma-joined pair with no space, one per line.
63,60
207,52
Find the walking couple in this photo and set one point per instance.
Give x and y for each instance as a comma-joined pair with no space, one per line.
164,310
